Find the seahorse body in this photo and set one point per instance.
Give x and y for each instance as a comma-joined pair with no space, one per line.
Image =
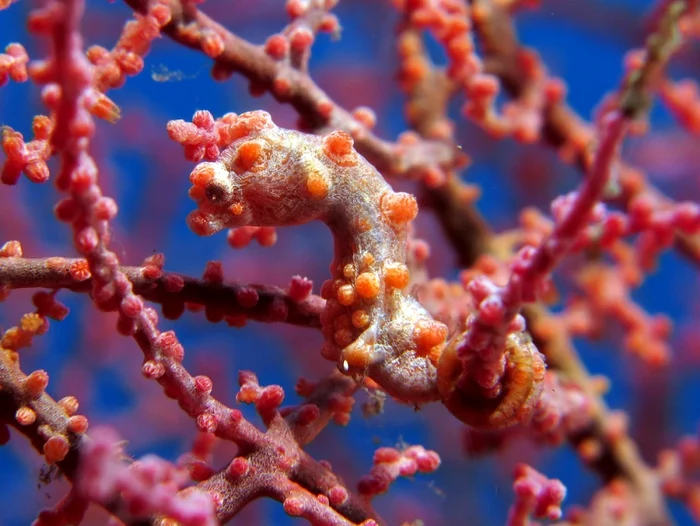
274,177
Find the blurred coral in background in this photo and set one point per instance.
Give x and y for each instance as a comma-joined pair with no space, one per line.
495,325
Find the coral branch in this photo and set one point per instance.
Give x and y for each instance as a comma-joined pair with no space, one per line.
617,455
535,495
171,290
487,353
53,428
148,486
34,413
390,464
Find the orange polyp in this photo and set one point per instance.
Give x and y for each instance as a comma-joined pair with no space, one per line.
399,207
363,225
396,274
343,337
367,259
325,108
346,295
337,146
32,322
338,143
357,356
104,108
349,271
42,126
367,285
13,144
236,209
250,156
327,289
248,123
281,86
434,354
202,175
317,185
427,334
197,193
360,319
56,448
408,46
342,322
199,224
414,69
25,416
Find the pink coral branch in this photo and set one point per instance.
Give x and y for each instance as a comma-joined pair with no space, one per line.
390,464
487,349
147,487
172,290
535,495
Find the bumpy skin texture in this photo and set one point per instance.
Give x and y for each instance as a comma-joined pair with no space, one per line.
270,176
273,177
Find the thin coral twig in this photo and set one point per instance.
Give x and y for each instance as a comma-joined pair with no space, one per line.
254,302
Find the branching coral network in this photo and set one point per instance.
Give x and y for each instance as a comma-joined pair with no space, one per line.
493,347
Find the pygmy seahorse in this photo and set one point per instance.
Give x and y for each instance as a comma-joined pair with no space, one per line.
271,176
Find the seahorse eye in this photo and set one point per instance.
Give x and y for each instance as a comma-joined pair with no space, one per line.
215,193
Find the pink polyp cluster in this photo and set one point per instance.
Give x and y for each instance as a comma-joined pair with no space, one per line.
270,176
390,464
